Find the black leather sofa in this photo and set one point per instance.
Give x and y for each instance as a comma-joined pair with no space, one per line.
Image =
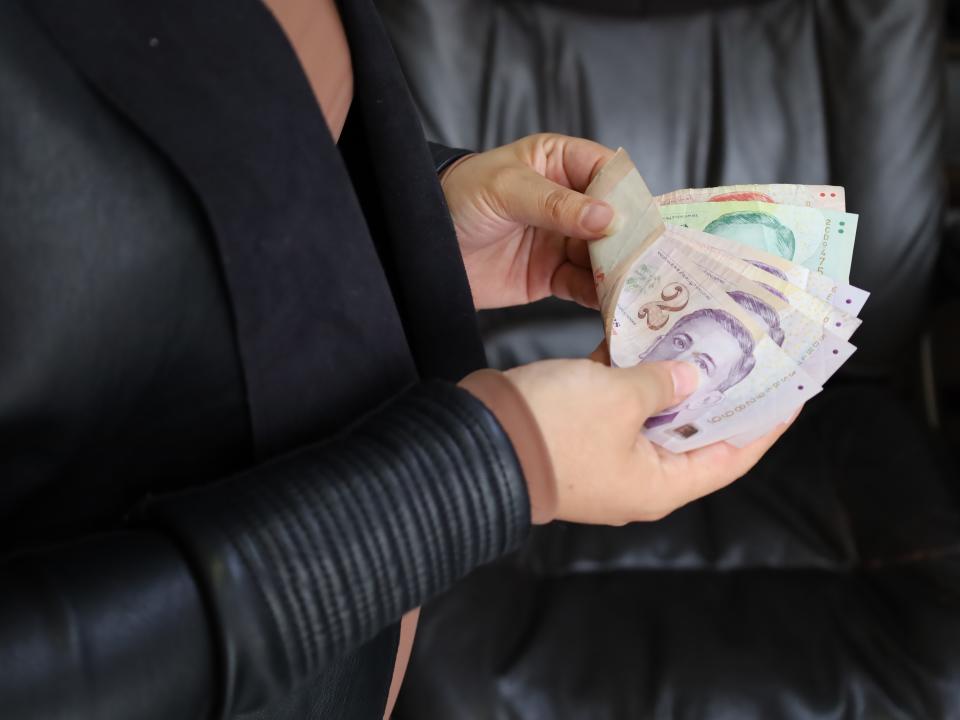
827,582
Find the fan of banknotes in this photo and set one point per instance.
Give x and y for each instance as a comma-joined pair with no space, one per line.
750,283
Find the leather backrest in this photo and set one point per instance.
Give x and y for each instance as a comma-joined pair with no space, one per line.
840,91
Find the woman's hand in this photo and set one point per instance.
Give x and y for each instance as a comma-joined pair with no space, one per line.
523,223
606,472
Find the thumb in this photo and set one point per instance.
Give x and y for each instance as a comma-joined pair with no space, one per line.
663,384
531,199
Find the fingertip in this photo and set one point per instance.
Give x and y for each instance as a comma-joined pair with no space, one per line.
615,226
597,217
686,379
663,384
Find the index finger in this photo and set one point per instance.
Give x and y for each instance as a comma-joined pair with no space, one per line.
582,160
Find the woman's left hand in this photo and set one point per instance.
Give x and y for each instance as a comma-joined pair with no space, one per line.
523,223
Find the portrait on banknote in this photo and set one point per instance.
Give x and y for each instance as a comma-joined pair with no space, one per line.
748,283
777,238
776,272
762,312
717,343
741,196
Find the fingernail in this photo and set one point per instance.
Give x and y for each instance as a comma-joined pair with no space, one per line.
615,226
686,378
597,218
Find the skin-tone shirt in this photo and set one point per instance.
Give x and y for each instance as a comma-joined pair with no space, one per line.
314,29
316,33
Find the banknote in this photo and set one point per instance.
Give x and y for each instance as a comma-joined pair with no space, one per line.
808,317
639,224
804,339
837,321
820,240
751,290
828,197
671,309
843,296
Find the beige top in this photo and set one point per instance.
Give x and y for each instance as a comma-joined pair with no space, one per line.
316,33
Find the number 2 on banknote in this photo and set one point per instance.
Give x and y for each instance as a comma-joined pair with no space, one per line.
673,298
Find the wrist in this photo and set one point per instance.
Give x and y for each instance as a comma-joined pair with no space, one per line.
507,404
443,155
445,171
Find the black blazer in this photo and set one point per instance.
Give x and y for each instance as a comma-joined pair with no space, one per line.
196,283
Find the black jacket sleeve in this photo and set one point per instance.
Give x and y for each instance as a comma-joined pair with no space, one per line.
241,590
444,156
119,375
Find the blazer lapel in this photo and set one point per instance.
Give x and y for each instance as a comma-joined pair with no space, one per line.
416,235
217,88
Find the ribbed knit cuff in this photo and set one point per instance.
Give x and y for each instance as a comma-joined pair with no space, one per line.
307,557
503,399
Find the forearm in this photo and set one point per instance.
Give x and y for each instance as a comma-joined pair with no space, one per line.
326,547
279,571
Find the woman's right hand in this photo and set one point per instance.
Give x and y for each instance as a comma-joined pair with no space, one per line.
607,473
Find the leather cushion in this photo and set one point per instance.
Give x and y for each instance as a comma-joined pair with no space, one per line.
808,588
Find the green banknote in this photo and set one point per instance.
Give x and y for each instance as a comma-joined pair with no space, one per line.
836,317
842,296
818,239
751,293
805,339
